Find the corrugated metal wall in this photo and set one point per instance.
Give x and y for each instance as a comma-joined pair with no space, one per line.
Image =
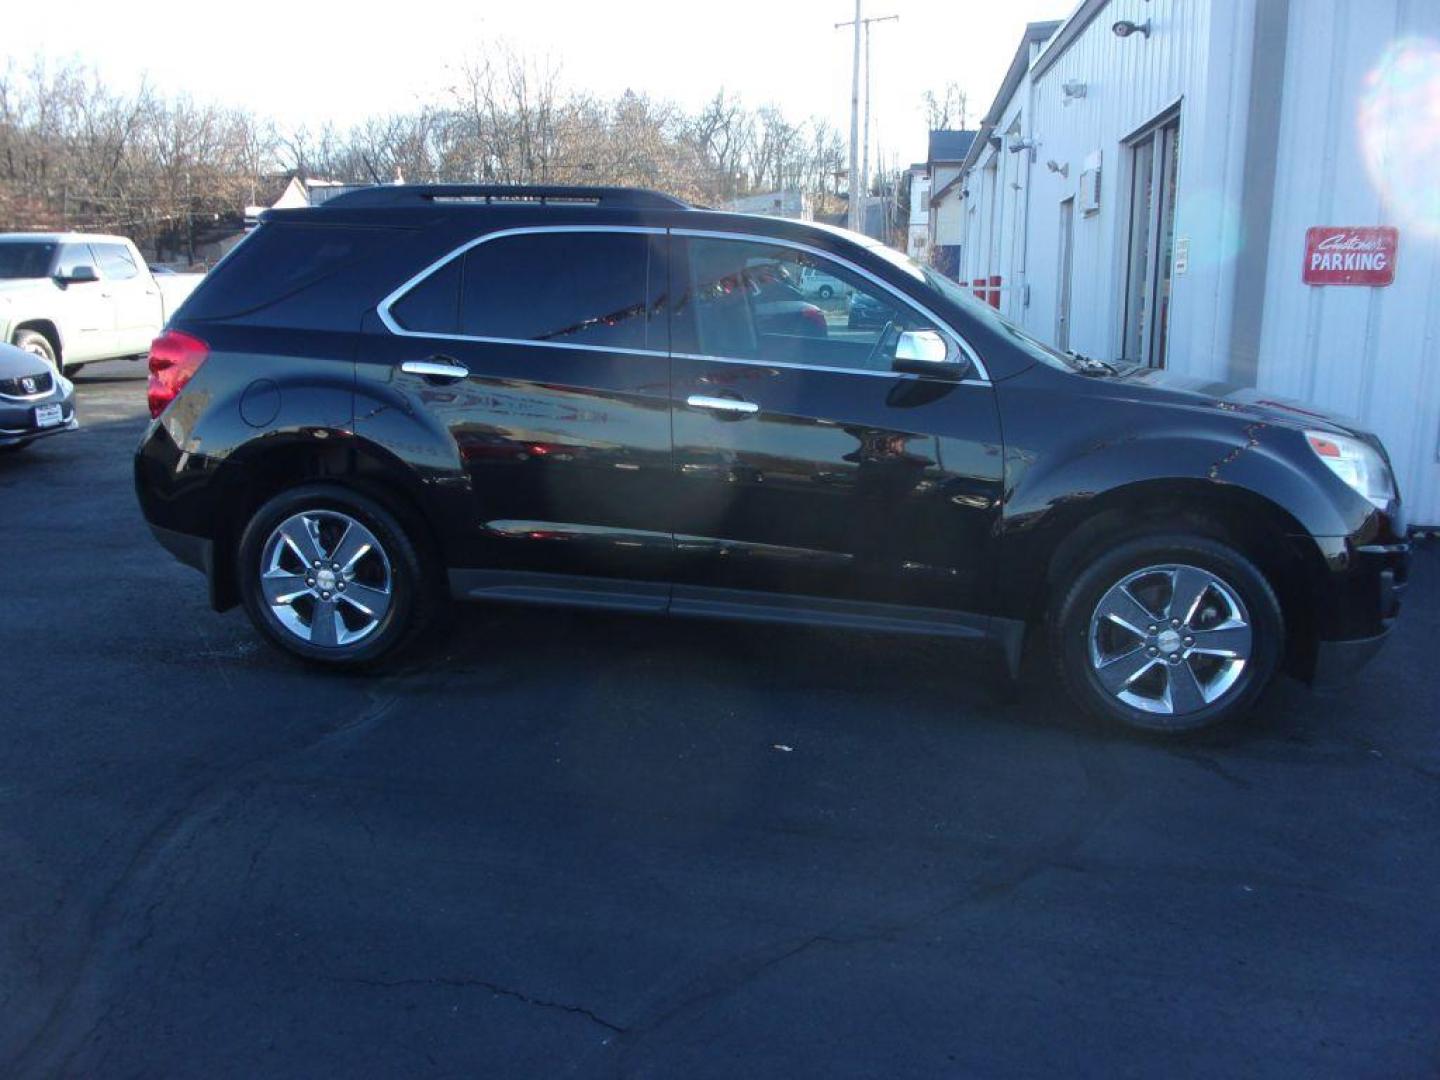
1373,353
1362,84
1190,60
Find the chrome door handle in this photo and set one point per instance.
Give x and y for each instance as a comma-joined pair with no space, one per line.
435,369
722,404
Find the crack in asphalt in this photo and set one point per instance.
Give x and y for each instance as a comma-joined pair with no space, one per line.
178,827
1105,792
470,983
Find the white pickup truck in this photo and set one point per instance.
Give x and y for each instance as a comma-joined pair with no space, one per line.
74,298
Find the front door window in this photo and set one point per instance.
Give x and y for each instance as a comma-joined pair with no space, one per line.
749,301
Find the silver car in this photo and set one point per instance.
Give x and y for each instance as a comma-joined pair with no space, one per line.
35,401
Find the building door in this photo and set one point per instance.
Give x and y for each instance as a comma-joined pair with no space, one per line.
1067,240
1154,165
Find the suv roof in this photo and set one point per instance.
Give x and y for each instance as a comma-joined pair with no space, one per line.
62,238
489,194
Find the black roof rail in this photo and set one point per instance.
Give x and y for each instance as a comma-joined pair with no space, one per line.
421,194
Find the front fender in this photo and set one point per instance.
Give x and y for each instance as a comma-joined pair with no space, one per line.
1250,463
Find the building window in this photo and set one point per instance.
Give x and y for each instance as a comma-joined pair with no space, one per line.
1154,166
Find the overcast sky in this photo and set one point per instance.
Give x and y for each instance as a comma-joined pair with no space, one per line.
309,62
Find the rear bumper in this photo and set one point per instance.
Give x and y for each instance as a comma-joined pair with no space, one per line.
194,551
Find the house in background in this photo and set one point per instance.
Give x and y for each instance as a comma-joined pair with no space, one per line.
945,210
300,191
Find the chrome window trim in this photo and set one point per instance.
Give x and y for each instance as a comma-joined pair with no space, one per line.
821,367
383,308
951,332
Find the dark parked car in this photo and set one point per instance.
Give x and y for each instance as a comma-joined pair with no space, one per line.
568,396
35,400
867,312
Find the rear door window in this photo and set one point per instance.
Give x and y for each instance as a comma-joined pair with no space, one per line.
116,263
564,288
433,306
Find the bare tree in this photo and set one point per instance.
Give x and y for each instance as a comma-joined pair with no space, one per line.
946,111
170,171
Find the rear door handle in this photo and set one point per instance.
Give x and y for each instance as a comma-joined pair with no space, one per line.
722,404
442,370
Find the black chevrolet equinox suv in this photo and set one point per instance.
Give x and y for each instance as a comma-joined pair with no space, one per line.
607,398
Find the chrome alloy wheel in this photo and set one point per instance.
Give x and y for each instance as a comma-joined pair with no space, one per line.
326,578
1169,639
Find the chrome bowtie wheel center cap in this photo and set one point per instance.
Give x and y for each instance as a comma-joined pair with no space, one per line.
1168,642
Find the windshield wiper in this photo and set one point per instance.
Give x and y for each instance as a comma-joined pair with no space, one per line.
1088,365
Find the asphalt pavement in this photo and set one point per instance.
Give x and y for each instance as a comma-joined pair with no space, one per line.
592,845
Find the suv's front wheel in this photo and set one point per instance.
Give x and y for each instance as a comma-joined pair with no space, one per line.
329,575
1168,633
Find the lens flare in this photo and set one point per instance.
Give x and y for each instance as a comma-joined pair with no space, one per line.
1399,130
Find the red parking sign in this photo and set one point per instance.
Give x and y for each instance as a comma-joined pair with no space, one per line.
1350,254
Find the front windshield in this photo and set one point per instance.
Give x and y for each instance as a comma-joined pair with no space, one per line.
28,259
977,309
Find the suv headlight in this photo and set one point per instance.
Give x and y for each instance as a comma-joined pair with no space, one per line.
1357,463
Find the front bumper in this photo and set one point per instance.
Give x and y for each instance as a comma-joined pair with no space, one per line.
9,437
1356,603
1338,662
17,416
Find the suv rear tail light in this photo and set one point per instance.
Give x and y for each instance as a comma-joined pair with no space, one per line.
175,356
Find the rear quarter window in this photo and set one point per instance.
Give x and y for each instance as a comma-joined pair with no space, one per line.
278,260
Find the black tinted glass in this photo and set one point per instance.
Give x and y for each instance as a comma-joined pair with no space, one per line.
277,260
115,261
21,260
754,301
567,288
433,306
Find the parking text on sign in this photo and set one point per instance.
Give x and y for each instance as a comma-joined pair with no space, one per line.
1350,254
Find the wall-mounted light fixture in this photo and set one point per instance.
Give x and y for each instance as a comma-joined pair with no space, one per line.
1017,144
1124,28
1055,167
1073,89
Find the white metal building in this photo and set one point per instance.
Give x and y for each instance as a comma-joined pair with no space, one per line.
1239,190
917,232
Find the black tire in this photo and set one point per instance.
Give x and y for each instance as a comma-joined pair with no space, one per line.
36,343
826,292
414,593
1076,604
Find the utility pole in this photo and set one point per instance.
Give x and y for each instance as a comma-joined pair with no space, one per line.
860,170
853,217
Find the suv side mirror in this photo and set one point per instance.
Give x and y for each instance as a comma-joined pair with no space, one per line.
924,352
78,275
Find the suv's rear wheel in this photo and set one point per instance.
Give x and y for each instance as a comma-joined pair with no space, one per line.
331,576
1168,633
